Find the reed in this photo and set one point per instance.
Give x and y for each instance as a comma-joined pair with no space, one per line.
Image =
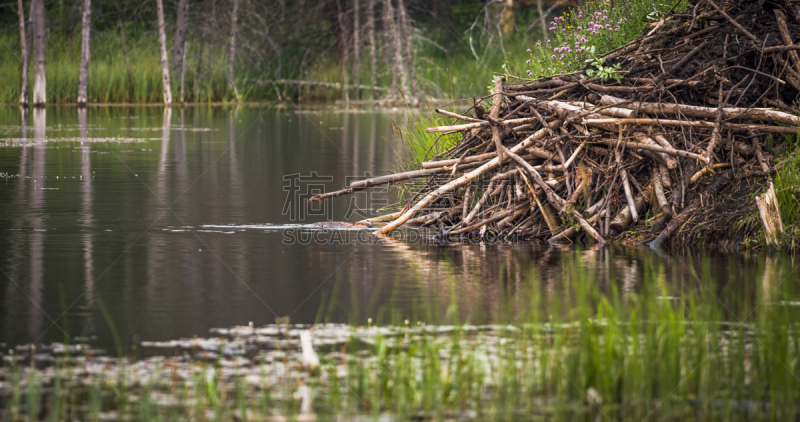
677,344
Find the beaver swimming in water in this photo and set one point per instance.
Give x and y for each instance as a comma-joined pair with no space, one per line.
342,225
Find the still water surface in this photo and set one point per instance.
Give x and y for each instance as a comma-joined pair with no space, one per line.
176,222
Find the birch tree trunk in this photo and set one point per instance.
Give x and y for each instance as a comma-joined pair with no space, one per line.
179,44
343,52
356,43
162,37
373,59
389,45
39,78
23,92
404,25
397,45
83,77
232,51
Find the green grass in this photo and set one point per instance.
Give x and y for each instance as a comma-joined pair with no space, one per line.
570,35
677,346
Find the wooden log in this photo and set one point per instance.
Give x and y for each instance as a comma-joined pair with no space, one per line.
468,126
567,234
474,174
762,114
760,156
464,160
681,218
608,111
537,85
707,170
465,202
703,124
633,212
499,216
678,82
479,204
666,181
659,191
623,219
670,161
458,116
519,210
336,85
770,214
382,218
734,23
549,216
428,218
656,148
497,100
618,88
787,37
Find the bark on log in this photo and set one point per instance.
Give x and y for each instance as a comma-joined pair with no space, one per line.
679,219
468,126
624,219
633,213
703,124
761,114
656,148
787,37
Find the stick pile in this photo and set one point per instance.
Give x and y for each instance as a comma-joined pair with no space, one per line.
569,156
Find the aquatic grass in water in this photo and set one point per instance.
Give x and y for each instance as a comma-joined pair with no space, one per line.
659,350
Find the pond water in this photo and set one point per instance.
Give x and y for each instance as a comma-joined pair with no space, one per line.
164,224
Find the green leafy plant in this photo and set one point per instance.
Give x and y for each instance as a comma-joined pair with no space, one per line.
600,70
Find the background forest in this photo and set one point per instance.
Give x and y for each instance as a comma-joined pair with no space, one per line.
375,48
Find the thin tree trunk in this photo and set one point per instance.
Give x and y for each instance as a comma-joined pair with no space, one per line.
23,92
183,75
397,49
409,57
343,53
83,77
203,29
507,18
39,78
232,51
356,44
162,36
373,58
542,20
389,39
179,44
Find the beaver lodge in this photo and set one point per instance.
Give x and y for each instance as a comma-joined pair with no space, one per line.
673,149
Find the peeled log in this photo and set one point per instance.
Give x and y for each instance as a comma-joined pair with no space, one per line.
671,162
763,114
623,218
770,215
